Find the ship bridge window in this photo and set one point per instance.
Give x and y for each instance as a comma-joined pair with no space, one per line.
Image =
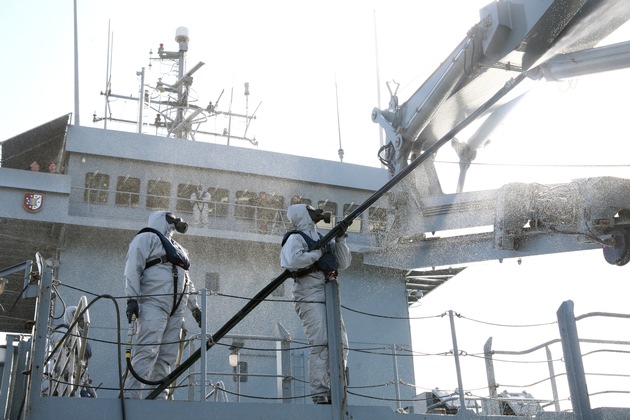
330,206
356,223
219,203
245,207
378,219
127,191
270,208
184,191
96,187
158,193
298,199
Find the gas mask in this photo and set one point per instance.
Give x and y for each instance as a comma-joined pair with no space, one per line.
318,215
180,225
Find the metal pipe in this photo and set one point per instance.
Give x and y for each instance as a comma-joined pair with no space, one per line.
579,63
573,361
140,100
552,376
38,351
396,376
335,350
202,365
493,407
267,290
458,369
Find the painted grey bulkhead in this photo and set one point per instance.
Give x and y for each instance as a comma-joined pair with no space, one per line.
231,250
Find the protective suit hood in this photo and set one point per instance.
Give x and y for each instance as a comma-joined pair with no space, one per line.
299,217
69,314
157,221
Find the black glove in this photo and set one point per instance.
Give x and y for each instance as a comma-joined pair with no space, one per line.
132,309
343,227
196,313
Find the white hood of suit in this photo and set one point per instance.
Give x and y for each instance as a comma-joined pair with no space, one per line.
301,220
157,221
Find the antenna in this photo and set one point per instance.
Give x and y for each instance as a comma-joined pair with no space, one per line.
246,97
140,99
108,66
176,111
340,151
230,117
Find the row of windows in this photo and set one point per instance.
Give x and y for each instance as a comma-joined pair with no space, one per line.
248,204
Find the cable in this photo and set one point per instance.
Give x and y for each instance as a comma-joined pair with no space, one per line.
63,302
506,325
515,361
274,350
415,354
269,398
381,398
391,317
35,278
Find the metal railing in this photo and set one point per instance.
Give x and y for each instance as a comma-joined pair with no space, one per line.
573,363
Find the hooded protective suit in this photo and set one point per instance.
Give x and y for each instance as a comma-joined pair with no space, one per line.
200,201
59,333
309,296
159,320
60,330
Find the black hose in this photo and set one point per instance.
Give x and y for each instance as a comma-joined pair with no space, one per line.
267,290
138,377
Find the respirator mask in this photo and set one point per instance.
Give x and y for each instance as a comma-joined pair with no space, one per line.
180,225
319,215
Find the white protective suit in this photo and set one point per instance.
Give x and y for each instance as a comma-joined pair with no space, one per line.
58,334
200,201
158,330
60,330
309,296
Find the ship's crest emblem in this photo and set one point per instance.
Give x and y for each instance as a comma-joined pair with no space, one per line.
33,202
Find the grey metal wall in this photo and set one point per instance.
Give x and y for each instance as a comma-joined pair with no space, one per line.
93,261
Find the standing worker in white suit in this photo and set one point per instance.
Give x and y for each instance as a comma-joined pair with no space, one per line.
200,201
157,289
311,269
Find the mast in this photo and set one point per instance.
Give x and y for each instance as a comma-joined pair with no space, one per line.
108,65
76,67
175,110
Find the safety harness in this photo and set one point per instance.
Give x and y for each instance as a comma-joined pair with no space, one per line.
327,263
176,256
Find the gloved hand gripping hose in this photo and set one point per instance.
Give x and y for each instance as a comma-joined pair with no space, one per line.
130,333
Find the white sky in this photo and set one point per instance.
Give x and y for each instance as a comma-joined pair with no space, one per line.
291,55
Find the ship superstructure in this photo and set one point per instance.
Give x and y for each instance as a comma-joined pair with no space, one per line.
67,235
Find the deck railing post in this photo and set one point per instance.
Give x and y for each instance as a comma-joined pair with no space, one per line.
493,405
38,351
335,351
460,385
552,378
283,364
573,361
